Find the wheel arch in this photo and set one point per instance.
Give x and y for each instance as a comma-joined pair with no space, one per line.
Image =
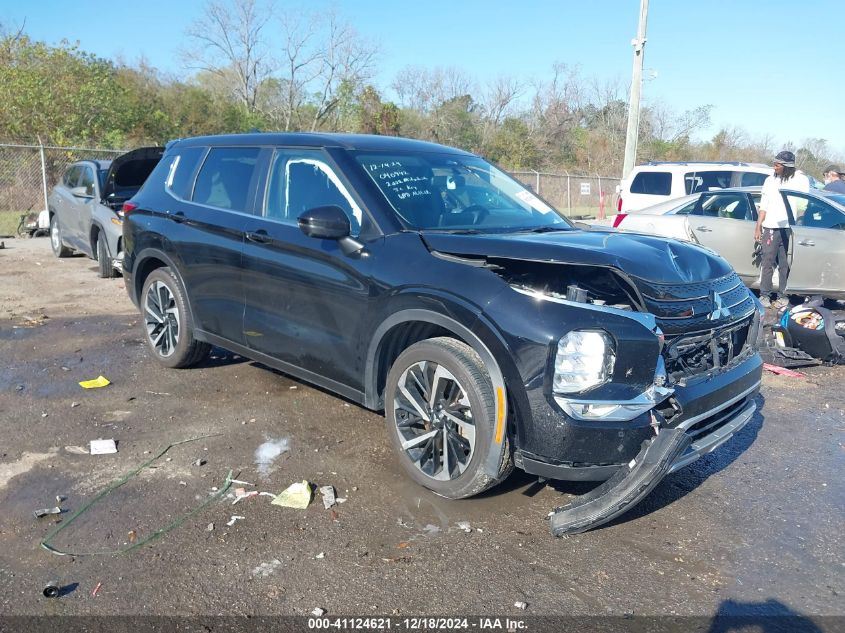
406,327
149,260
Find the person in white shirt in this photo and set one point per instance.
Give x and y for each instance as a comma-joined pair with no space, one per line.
773,226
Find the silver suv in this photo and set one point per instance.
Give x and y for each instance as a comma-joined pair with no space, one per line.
85,207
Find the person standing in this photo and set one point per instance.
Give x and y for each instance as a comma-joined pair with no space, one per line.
833,180
772,229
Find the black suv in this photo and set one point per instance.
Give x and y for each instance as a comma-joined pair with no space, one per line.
421,280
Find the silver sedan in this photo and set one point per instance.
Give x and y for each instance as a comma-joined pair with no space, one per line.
724,222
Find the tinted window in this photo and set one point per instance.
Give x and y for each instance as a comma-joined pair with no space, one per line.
180,178
225,177
656,183
733,206
752,180
301,180
695,181
687,208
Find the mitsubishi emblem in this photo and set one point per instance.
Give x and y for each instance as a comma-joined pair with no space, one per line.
719,310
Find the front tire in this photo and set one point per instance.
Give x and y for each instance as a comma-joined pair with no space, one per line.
168,327
104,263
59,249
440,412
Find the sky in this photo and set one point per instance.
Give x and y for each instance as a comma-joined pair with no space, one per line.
771,68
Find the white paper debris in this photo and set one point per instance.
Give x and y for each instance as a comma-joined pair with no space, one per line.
103,447
235,517
267,452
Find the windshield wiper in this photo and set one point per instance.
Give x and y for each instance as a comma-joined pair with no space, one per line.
544,229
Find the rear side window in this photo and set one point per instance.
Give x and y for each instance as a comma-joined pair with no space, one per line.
656,183
225,177
696,181
750,179
180,177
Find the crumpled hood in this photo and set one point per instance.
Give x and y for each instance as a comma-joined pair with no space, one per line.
654,259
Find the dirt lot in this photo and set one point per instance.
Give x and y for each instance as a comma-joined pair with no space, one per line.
755,528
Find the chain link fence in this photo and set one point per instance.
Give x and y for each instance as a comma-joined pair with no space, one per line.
28,173
579,197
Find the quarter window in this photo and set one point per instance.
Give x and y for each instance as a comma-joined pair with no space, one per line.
225,177
180,175
656,183
301,180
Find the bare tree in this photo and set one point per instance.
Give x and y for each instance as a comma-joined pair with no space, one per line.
346,62
424,90
229,42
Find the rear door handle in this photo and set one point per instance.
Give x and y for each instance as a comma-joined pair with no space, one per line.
807,243
703,229
259,237
178,217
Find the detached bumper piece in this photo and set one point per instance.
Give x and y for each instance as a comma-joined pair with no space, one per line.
626,488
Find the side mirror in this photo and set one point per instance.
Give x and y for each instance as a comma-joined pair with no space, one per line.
327,223
330,223
81,192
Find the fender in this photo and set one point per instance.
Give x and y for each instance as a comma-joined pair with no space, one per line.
474,341
155,253
96,225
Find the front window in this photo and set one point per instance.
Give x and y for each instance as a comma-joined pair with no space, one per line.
448,192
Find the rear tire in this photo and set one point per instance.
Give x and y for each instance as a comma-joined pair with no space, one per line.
168,327
105,269
59,249
440,412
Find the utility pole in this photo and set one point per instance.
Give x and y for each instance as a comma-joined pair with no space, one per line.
636,87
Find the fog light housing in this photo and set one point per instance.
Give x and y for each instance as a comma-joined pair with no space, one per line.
584,360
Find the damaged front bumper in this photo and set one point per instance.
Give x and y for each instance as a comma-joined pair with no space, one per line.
669,450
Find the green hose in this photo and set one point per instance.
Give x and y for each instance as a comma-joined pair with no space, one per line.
45,542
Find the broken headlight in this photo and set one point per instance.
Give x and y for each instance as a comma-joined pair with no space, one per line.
585,359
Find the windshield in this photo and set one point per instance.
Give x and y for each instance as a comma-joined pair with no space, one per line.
449,192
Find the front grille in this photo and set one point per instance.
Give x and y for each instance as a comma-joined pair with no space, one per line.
697,307
706,324
717,420
689,355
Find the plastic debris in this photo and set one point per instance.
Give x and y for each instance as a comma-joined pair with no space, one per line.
266,569
210,527
465,526
521,605
96,590
46,512
244,495
328,496
320,556
103,447
243,483
132,536
96,383
234,519
317,612
267,452
200,462
296,495
782,371
76,450
73,405
51,589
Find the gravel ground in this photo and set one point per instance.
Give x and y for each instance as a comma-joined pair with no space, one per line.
755,528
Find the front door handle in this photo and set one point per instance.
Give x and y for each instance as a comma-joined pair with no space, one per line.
703,229
259,237
807,243
179,216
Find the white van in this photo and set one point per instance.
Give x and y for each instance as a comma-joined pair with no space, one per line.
658,181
